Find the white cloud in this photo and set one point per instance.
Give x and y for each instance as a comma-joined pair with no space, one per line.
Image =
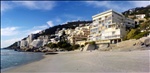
8,42
9,31
34,5
41,5
140,3
6,5
50,23
106,4
36,29
13,34
118,5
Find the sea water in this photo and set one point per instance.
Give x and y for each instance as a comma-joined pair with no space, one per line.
11,58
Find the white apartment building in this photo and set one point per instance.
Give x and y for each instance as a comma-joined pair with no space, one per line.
140,16
30,38
109,27
23,43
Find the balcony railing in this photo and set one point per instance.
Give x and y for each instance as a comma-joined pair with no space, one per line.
112,37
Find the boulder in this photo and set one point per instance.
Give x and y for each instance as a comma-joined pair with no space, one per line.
147,42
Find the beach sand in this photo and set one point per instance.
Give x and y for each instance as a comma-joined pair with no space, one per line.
89,62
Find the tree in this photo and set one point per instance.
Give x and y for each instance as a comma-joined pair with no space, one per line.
65,45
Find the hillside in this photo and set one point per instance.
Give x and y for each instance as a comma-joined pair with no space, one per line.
52,30
71,25
138,10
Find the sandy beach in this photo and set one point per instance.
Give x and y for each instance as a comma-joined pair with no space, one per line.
89,62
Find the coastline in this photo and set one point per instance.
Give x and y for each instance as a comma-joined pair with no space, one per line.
95,61
11,59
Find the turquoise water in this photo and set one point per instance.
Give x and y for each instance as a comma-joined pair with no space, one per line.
11,58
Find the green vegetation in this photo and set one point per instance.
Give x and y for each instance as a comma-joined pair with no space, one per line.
140,35
76,46
138,10
63,45
136,33
52,45
132,33
145,25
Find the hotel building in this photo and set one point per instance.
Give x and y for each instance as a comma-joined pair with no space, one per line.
109,27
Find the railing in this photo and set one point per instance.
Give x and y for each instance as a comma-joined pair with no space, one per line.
112,37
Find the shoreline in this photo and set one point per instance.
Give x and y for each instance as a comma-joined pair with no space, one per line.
15,64
77,61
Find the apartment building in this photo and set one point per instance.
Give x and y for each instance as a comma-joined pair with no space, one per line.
109,27
79,34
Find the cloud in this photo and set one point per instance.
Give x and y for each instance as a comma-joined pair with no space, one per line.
50,23
117,5
9,31
36,29
6,5
107,5
33,5
41,5
139,3
8,42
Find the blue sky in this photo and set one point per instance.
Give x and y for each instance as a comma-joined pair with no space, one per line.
21,18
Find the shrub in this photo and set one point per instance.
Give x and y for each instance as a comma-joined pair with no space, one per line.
65,45
132,33
76,46
142,34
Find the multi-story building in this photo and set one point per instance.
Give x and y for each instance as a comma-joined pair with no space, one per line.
23,43
140,16
79,34
30,38
109,27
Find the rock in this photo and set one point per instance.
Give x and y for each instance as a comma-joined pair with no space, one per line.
147,42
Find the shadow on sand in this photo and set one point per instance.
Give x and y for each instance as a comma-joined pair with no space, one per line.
50,53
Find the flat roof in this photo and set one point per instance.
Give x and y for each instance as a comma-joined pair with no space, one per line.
106,12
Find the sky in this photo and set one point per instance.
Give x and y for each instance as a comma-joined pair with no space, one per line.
21,18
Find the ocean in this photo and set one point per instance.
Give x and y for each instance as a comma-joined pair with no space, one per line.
11,58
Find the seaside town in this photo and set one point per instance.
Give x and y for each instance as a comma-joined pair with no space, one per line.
106,32
76,37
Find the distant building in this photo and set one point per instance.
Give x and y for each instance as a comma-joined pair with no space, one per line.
23,43
79,34
140,16
30,38
18,43
109,27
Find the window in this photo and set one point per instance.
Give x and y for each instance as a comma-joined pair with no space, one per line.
113,32
99,22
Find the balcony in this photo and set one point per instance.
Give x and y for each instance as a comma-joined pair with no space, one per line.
112,37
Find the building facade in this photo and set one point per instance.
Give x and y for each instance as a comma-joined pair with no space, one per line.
79,34
109,27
